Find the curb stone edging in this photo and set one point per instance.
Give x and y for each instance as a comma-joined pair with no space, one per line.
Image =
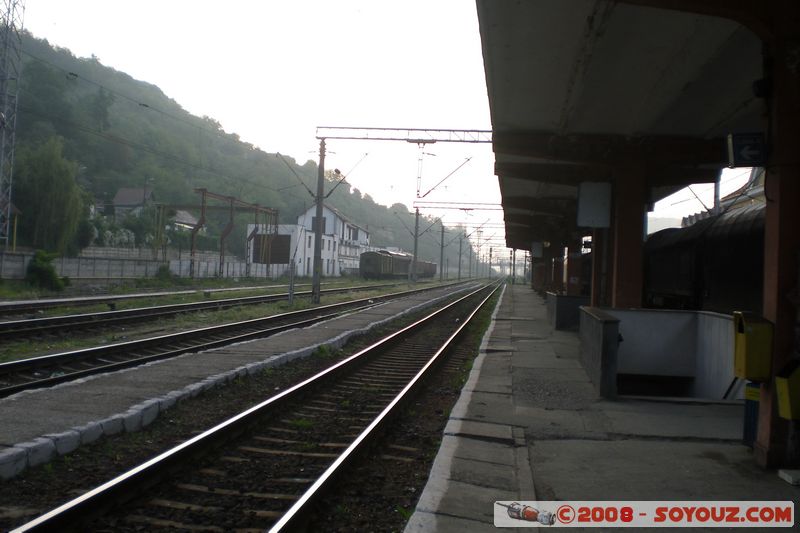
15,459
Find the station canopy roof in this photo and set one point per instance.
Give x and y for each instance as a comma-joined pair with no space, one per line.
578,88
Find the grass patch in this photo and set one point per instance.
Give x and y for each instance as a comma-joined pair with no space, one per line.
301,423
405,513
23,349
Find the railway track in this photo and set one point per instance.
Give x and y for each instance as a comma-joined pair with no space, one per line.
37,327
49,370
21,307
266,467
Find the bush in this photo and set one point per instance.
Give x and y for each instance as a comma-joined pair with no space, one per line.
164,273
41,273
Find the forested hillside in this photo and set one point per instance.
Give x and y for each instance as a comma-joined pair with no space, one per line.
85,130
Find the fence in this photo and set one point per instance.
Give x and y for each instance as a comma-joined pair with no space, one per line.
14,264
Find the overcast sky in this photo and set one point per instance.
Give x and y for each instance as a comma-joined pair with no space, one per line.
272,71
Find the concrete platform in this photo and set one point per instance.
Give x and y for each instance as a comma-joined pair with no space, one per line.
36,425
529,426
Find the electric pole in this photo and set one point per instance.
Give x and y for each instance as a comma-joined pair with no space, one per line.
460,242
418,136
319,226
513,254
478,256
412,273
441,255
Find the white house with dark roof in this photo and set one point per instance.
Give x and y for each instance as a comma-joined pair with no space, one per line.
342,244
349,239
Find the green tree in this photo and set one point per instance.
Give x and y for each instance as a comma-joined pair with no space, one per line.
97,106
48,196
44,102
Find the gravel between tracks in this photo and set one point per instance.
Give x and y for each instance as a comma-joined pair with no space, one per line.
378,498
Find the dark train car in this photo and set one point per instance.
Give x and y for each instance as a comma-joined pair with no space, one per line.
373,265
385,264
717,264
426,269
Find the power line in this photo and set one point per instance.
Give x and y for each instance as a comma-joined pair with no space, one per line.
150,150
138,103
296,175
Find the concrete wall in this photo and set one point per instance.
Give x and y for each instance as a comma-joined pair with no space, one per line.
145,254
599,343
656,343
695,344
14,265
231,269
714,364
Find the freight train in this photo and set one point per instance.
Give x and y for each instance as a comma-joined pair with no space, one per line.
385,264
717,264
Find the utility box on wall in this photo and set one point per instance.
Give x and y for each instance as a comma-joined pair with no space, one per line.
594,205
752,347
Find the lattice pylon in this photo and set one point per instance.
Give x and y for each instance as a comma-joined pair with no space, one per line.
10,46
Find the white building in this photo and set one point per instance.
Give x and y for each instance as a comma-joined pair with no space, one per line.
342,245
350,239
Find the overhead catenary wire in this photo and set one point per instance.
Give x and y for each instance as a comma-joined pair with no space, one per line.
698,198
711,187
296,175
144,148
344,176
143,105
467,160
194,122
132,144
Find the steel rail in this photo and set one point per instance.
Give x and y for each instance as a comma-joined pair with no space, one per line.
151,343
300,511
36,326
19,306
130,484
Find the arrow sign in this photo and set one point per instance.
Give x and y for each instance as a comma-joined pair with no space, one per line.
746,150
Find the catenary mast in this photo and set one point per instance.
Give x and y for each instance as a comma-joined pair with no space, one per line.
10,46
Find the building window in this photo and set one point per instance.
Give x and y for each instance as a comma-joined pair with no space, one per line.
309,241
334,246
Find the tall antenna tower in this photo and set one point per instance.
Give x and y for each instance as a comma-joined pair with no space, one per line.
10,46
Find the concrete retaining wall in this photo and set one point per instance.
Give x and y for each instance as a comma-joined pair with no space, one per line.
694,344
714,363
599,343
656,343
13,266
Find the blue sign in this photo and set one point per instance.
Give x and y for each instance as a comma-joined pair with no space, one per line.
746,150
